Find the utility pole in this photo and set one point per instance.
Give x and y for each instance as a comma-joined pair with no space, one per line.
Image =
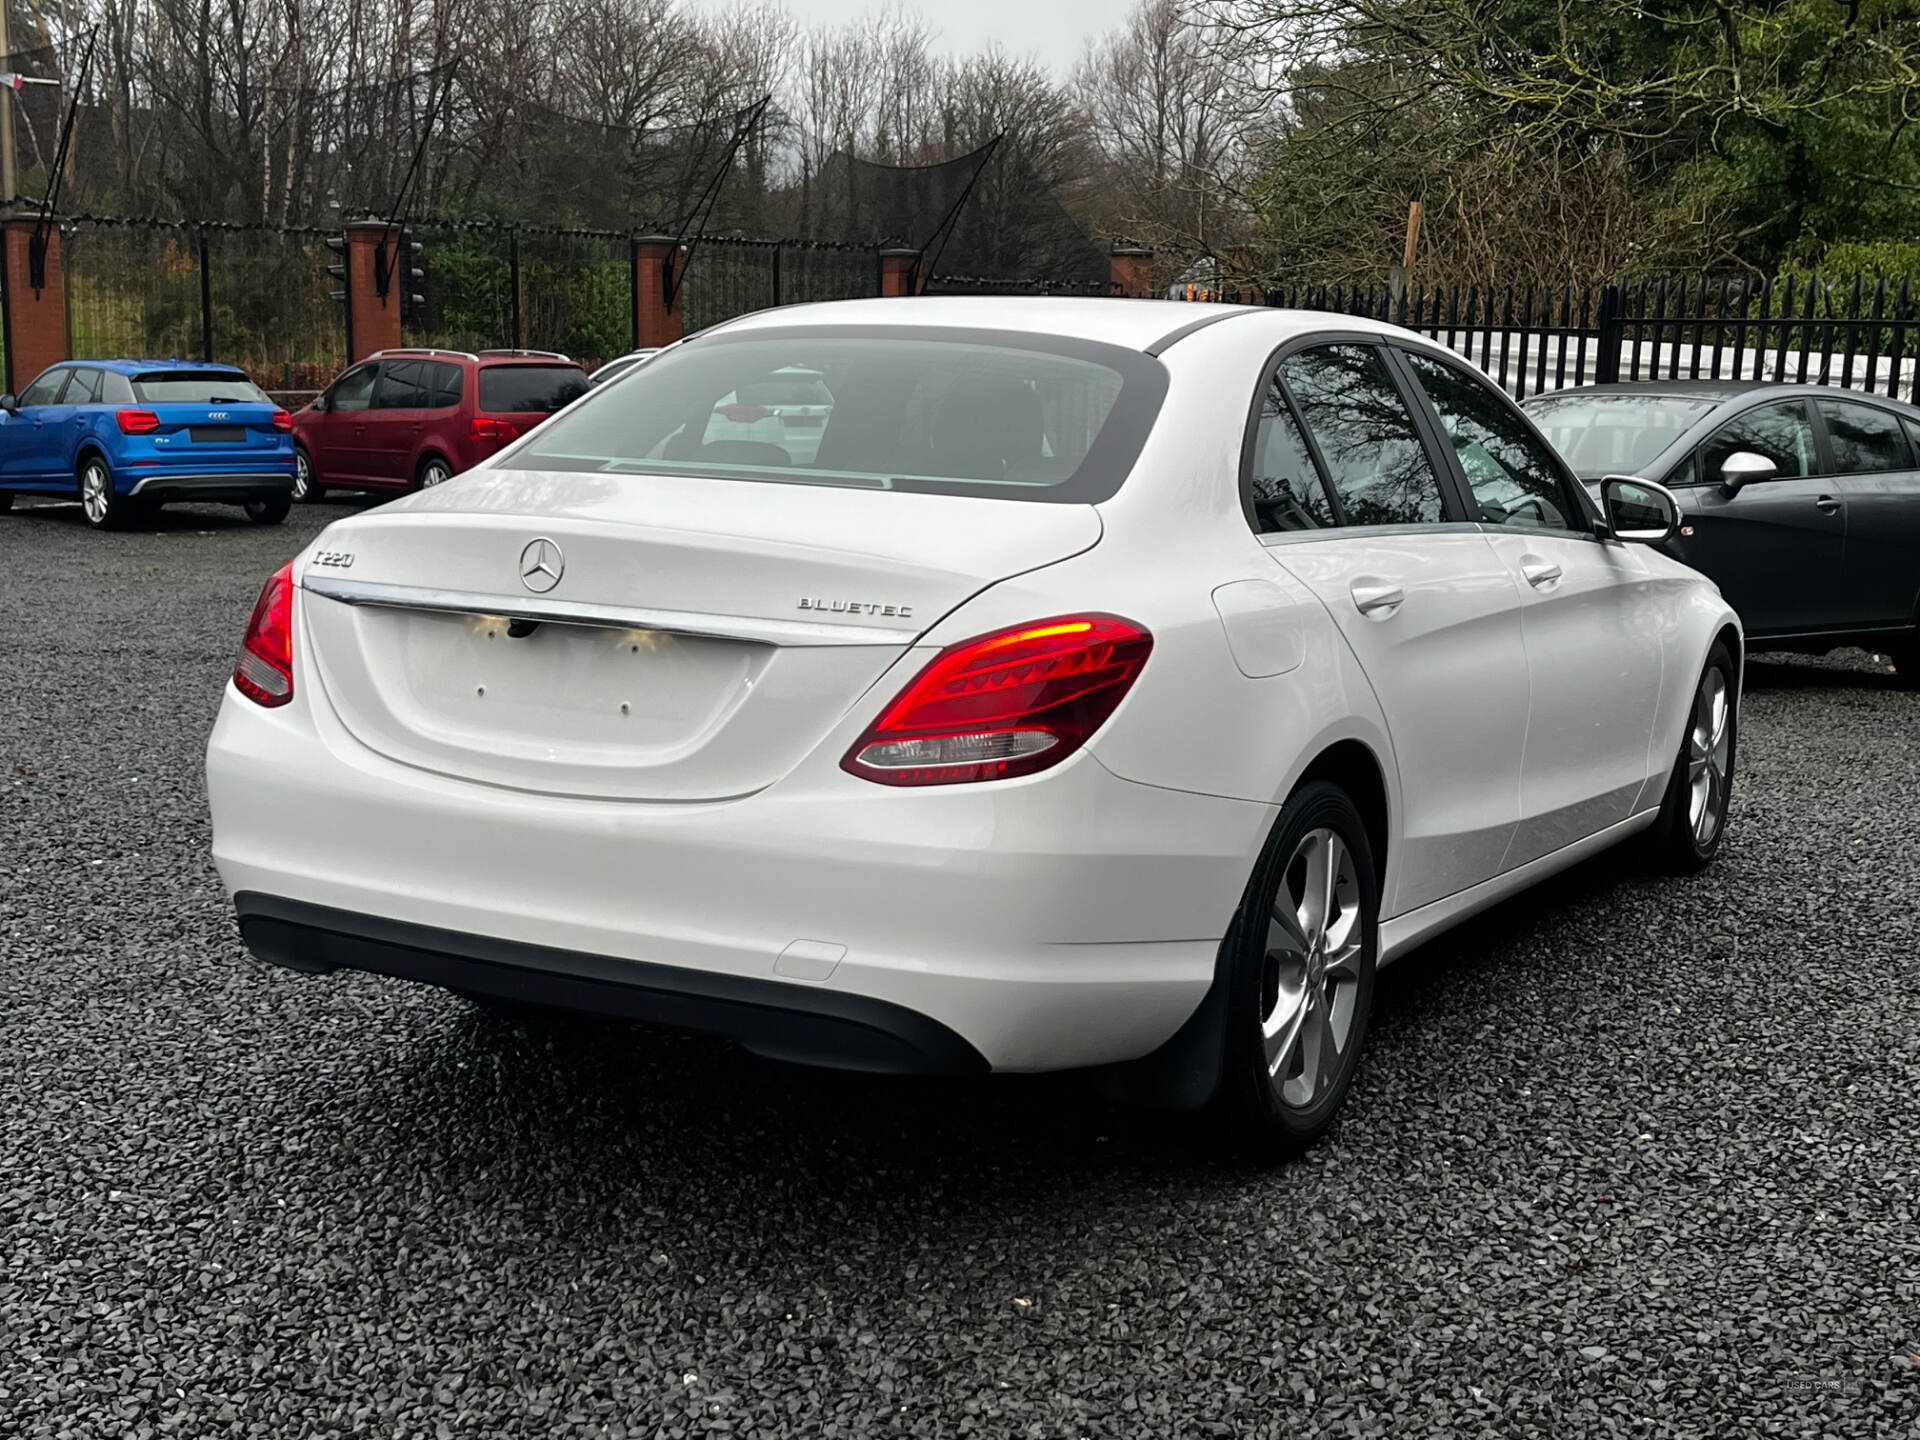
7,187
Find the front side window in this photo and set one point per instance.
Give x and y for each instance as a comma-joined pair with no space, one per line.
1513,479
43,390
354,390
1375,460
1288,492
937,411
1782,432
1865,439
197,387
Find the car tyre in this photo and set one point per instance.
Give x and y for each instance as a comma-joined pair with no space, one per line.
6,501
1300,974
103,508
433,471
307,488
1905,655
269,509
1693,812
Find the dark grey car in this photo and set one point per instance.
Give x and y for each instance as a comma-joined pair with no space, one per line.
1802,502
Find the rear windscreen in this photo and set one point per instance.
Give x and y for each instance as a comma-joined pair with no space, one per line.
208,387
518,389
1011,415
1614,432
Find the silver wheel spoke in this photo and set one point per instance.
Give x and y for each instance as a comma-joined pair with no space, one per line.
1285,930
1280,1033
1344,963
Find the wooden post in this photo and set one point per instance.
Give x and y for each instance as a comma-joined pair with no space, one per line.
1408,256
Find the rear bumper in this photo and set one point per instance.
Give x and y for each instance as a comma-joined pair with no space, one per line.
254,485
1071,919
784,1022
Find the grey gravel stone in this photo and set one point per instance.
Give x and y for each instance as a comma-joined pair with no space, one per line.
1629,1156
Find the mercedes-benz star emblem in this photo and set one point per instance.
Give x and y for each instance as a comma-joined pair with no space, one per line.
541,565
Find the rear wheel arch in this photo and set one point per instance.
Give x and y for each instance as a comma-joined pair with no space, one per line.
1352,765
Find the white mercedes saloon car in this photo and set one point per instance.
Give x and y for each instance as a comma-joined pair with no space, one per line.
1101,683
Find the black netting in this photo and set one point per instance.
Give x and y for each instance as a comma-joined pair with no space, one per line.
528,158
351,147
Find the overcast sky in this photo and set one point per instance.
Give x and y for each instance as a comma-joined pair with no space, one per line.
1056,31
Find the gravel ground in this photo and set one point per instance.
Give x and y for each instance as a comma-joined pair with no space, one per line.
1627,1156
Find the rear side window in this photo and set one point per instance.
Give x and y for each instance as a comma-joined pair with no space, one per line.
197,387
539,389
84,388
1288,492
1353,411
402,386
1865,440
1513,479
445,382
1782,432
927,409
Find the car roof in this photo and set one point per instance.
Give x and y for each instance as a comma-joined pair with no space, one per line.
147,367
1148,325
1717,391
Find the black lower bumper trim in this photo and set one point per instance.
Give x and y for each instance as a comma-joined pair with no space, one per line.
779,1019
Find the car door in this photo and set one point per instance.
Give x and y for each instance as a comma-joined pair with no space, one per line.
337,441
1872,465
396,421
1352,504
31,454
77,401
1774,547
1589,615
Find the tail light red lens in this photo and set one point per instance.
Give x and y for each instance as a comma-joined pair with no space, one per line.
137,422
264,673
282,420
485,429
1011,703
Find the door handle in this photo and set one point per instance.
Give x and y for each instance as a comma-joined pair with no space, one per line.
1541,574
1376,599
1826,505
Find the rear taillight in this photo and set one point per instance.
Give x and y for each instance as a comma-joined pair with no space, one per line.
264,673
1005,704
137,422
485,429
282,420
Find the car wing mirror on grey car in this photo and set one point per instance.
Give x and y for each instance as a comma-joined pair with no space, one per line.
1743,467
1639,510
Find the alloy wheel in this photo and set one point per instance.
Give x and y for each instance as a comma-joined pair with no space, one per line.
302,474
1709,748
95,485
434,474
1310,977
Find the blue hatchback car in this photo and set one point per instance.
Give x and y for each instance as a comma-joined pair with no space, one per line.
126,436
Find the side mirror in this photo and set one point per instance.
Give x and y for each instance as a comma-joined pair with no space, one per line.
1743,467
9,404
1639,510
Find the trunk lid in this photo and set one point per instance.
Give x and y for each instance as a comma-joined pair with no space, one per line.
210,432
701,638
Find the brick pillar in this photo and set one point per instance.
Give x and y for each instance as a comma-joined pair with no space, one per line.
1131,269
900,274
36,320
373,319
655,322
